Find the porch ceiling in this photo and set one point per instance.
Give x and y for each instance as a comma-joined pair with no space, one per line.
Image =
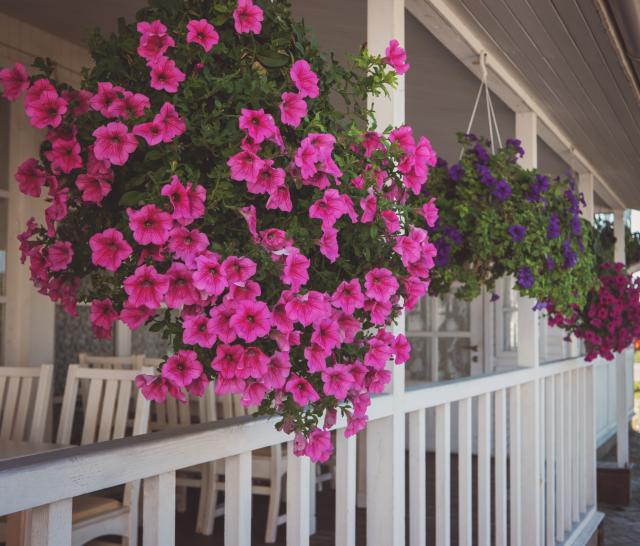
559,51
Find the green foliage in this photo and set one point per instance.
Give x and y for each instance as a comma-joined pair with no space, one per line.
604,242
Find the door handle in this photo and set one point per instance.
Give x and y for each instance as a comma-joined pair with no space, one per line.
473,348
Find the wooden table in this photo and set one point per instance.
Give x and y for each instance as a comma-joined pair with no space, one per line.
10,449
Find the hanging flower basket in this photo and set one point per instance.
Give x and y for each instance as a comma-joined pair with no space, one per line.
203,167
604,242
499,219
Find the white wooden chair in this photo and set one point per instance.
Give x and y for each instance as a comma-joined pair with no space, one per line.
23,412
105,418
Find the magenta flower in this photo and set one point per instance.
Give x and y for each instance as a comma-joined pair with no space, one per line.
403,136
348,203
429,212
184,243
355,423
181,290
209,277
328,209
238,269
348,296
306,80
369,205
379,311
296,270
319,447
221,316
178,196
155,28
307,308
97,166
153,47
134,317
378,355
196,197
323,144
396,57
30,178
306,158
198,385
173,125
408,249
153,387
275,239
58,255
278,369
293,109
285,341
151,132
249,214
35,91
254,363
109,249
337,381
280,318
106,98
64,131
425,154
253,393
25,244
247,17
103,314
327,335
243,291
47,110
234,385
268,179
227,360
146,287
301,390
15,81
329,244
320,180
251,320
421,267
245,166
371,142
380,284
149,225
165,75
131,106
391,221
414,181
114,143
257,124
376,380
182,368
280,199
202,33
198,331
81,99
65,155
402,349
94,188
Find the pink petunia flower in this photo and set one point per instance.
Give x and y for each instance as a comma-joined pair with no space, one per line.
425,155
35,91
402,348
238,269
109,249
97,166
94,188
114,143
181,290
429,212
81,98
275,239
221,316
337,381
106,98
379,311
15,81
196,198
247,17
421,267
202,33
348,296
131,106
268,179
243,291
245,166
293,109
323,144
249,145
134,317
234,385
285,341
198,331
391,220
103,314
369,206
254,363
257,124
47,110
198,385
319,447
249,214
150,225
209,277
146,287
280,199
328,209
64,131
227,360
378,355
58,255
306,308
355,423
25,244
152,132
165,75
251,320
30,178
153,47
376,380
280,318
153,387
330,418
184,243
155,28
408,249
396,57
371,142
403,136
329,244
296,270
65,155
253,394
306,158
182,368
178,196
301,390
305,79
278,369
380,284
327,335
348,203
173,125
414,181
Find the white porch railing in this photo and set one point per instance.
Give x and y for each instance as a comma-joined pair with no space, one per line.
549,454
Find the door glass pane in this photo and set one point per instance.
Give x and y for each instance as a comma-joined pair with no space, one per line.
3,246
418,367
510,296
452,314
419,318
454,360
510,331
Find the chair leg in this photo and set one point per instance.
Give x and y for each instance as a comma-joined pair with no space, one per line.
208,500
181,498
275,494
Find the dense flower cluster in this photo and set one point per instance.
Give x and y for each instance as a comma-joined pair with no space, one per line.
610,320
498,219
238,197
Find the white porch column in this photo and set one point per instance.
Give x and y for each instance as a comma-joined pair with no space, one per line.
585,185
618,233
386,437
532,480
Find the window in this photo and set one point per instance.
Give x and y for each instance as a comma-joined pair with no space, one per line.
509,315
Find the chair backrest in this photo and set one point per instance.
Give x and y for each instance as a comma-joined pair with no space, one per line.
106,405
131,362
16,395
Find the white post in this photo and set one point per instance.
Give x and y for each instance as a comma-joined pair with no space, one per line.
443,474
237,514
345,489
417,478
51,524
123,339
159,510
484,469
585,185
298,469
618,233
465,481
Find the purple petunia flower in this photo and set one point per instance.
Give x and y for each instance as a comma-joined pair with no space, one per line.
517,233
494,297
570,257
442,258
457,172
453,234
441,163
553,230
485,176
481,152
502,190
549,262
525,277
539,305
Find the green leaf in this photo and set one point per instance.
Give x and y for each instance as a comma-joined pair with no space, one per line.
157,327
272,58
131,198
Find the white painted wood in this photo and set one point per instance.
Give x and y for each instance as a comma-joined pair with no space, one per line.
622,416
575,441
568,450
585,185
10,407
41,405
361,469
465,481
417,478
277,466
314,486
122,339
237,521
550,445
68,405
500,458
298,469
484,469
527,133
51,524
542,453
584,444
515,465
530,457
618,233
591,435
443,475
159,507
559,457
346,489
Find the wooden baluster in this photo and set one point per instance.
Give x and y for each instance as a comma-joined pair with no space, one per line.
465,448
159,506
484,469
590,432
559,425
515,468
298,469
237,495
51,524
500,454
575,451
417,478
530,457
443,474
345,489
567,451
550,444
584,447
